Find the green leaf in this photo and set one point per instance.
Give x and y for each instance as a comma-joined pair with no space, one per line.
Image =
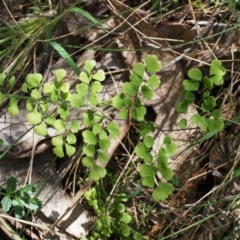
203,124
135,79
57,85
137,236
30,105
74,126
120,207
191,85
162,151
148,158
216,113
88,118
217,80
50,120
123,114
93,98
102,156
34,117
182,123
76,100
64,96
104,144
148,141
94,203
6,203
171,149
208,83
99,75
139,69
167,140
60,74
196,118
147,92
65,87
141,149
206,94
41,129
154,81
89,150
96,87
215,124
96,129
139,113
147,171
34,204
54,96
57,141
71,138
195,74
97,173
189,96
127,102
148,182
11,185
13,107
89,65
138,101
113,130
125,230
11,82
103,134
216,68
47,87
130,88
84,77
208,104
89,137
167,173
182,106
70,150
18,208
87,162
162,161
63,111
117,101
34,80
64,54
82,87
145,128
98,117
27,190
162,192
152,63
2,78
126,218
44,106
58,151
60,125
35,93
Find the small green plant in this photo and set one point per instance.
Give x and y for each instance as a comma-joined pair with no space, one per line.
20,200
148,169
110,219
50,104
138,86
44,97
209,118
